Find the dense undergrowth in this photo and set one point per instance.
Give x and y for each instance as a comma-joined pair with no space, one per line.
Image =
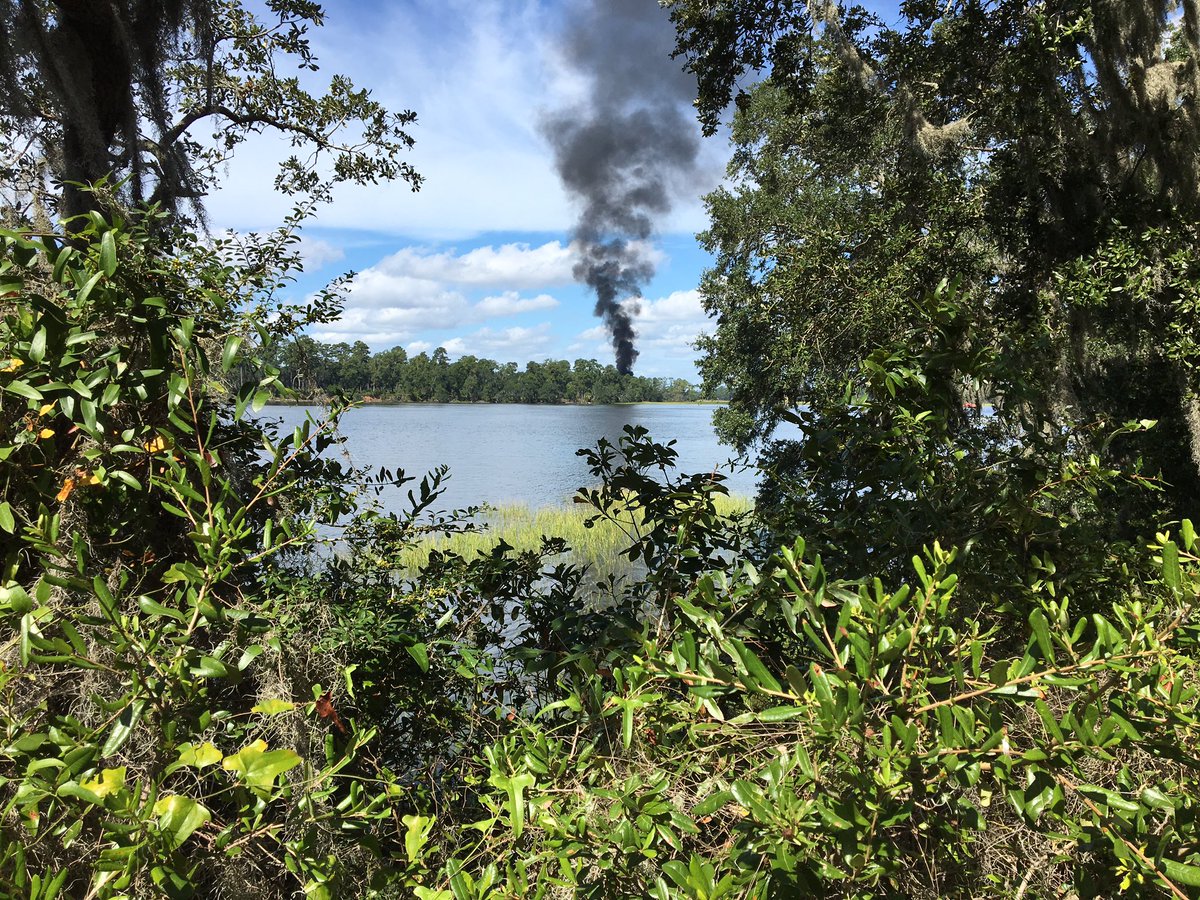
197,700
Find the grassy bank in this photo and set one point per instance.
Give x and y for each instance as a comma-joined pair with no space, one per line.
523,528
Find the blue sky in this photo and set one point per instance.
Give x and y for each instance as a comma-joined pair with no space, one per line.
480,260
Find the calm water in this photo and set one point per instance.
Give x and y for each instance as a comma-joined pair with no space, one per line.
513,453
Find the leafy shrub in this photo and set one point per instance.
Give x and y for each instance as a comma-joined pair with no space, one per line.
162,730
795,735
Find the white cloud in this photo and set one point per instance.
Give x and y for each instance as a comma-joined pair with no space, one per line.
509,266
510,303
671,324
680,306
503,345
416,290
381,328
317,253
667,329
374,288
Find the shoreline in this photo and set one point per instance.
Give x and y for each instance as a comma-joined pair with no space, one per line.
279,401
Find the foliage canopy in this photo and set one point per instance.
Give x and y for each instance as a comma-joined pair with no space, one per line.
1044,156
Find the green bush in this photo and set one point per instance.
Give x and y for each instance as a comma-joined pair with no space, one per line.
163,730
777,732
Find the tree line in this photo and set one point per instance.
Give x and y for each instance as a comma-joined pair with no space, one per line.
312,369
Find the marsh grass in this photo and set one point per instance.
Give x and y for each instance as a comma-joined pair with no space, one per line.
523,528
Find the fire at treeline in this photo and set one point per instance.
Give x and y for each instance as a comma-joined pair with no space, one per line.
313,370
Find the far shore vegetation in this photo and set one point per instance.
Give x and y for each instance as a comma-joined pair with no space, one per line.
314,371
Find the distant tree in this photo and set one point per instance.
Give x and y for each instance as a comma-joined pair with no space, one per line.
302,364
387,371
443,386
678,390
509,389
532,383
422,378
556,375
607,386
583,379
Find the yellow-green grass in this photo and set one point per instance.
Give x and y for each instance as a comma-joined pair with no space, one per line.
523,527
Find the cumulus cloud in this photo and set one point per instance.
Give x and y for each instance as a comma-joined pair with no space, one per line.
375,289
418,289
679,306
503,344
317,253
478,73
511,303
382,328
667,329
511,266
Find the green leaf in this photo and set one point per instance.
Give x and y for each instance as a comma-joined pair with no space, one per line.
248,656
76,790
755,668
1172,573
37,347
126,479
1041,633
420,654
1182,873
172,883
628,708
86,290
108,782
229,355
87,409
273,707
416,835
678,873
154,608
711,804
108,253
1188,533
259,767
179,816
23,389
210,667
778,714
1156,799
516,786
15,599
461,882
199,757
123,728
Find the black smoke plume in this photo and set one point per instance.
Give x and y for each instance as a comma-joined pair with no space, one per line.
625,152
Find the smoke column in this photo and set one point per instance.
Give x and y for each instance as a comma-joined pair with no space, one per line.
625,152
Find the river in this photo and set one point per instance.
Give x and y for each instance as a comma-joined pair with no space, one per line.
517,453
